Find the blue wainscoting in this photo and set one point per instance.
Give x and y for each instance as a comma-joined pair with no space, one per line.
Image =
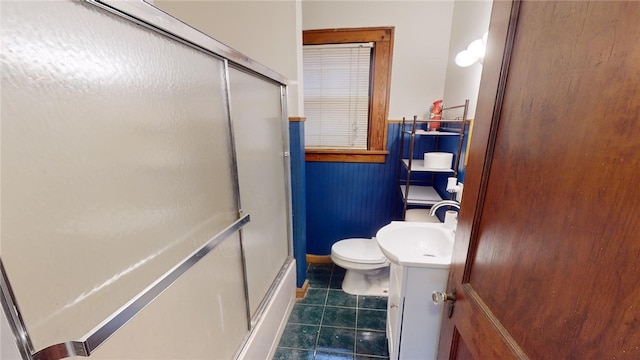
298,199
347,200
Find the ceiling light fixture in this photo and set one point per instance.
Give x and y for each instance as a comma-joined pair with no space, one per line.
473,54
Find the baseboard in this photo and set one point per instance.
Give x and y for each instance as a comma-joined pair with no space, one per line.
319,259
302,292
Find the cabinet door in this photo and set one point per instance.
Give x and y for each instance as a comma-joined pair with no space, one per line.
422,318
394,310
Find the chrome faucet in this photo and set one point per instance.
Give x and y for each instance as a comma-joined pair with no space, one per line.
442,203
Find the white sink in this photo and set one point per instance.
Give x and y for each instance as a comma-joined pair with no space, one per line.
416,244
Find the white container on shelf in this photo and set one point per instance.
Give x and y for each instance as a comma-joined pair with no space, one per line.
438,160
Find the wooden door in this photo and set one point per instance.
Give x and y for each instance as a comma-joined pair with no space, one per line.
547,257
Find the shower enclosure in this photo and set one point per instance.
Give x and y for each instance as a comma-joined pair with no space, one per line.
145,193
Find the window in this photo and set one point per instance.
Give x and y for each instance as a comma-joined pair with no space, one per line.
347,74
336,95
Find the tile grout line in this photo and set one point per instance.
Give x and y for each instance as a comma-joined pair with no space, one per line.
358,306
355,333
353,352
324,306
328,290
355,344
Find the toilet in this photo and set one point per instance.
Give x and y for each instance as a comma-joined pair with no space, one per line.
367,268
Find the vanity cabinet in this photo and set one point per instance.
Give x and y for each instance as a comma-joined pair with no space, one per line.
415,180
413,320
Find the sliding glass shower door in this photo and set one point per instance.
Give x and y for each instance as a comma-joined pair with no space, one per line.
119,171
259,127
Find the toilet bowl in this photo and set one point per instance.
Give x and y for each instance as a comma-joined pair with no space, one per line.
367,268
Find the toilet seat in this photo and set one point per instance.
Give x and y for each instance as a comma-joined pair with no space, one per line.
358,250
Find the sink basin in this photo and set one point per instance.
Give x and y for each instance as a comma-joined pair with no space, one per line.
416,244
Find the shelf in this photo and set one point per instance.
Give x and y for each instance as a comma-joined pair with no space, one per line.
418,165
420,195
425,121
415,137
434,133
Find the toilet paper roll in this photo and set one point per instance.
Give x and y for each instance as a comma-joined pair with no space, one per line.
438,160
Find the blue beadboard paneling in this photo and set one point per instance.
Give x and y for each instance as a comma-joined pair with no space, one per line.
356,199
298,199
350,199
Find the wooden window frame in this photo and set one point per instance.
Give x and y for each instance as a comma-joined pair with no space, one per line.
382,54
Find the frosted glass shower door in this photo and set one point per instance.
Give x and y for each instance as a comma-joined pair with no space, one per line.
258,127
116,166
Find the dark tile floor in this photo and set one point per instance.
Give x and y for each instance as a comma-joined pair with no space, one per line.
330,324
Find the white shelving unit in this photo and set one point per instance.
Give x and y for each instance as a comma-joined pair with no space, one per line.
418,165
419,194
436,133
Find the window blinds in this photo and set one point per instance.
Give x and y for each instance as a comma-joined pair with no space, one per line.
336,95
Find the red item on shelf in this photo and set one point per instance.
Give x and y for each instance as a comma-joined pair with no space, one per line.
436,114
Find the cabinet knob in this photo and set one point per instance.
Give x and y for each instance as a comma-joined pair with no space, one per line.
440,297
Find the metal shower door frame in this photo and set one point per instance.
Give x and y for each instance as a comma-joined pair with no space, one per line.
156,20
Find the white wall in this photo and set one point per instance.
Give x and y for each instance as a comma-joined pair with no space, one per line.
470,21
266,31
422,31
428,36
